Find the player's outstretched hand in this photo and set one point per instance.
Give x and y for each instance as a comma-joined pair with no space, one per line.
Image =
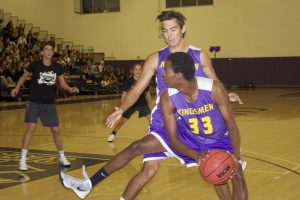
233,97
111,119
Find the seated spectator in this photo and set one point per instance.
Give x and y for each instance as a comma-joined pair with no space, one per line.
105,83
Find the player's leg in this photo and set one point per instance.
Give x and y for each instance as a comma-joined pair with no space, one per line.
122,121
125,117
30,127
59,146
137,182
144,111
239,187
223,192
31,117
147,144
49,119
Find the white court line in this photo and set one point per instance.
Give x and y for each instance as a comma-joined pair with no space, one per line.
277,158
47,154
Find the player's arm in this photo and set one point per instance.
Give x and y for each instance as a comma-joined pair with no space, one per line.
167,109
133,95
65,86
123,96
210,73
21,81
220,97
207,66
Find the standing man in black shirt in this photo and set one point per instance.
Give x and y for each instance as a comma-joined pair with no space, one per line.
142,104
42,101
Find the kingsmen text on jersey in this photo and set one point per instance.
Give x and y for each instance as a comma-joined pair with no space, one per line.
202,119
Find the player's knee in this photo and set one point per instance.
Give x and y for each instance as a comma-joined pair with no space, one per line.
136,148
150,168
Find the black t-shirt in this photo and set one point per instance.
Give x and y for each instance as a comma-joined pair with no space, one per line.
43,81
129,83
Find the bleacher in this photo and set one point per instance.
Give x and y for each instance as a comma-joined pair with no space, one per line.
73,57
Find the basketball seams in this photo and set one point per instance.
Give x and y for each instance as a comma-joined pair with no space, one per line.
219,165
224,159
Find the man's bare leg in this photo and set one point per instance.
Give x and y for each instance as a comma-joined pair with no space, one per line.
137,182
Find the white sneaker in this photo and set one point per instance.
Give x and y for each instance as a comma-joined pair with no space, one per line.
23,165
111,138
81,187
64,162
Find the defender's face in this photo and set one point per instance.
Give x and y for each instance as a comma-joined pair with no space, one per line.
172,32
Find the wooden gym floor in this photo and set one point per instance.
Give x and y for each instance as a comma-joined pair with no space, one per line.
269,122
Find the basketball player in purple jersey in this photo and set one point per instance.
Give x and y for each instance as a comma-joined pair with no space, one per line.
202,108
173,30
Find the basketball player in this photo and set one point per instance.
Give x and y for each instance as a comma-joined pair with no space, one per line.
41,102
202,108
173,31
142,104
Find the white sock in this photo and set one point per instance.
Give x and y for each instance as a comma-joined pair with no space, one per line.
61,153
122,198
24,154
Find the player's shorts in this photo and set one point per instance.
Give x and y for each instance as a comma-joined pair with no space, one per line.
223,143
46,112
143,111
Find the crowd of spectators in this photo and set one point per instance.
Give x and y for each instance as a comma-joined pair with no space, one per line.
18,50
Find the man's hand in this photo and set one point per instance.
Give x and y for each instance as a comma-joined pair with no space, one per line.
233,97
14,92
115,116
200,156
74,90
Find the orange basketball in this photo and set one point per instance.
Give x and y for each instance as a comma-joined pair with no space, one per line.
217,167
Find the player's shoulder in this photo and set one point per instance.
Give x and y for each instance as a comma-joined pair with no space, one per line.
205,83
192,47
172,91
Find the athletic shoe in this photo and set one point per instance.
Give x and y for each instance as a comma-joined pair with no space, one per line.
81,187
111,138
64,162
23,165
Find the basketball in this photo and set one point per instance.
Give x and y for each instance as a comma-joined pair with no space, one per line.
217,166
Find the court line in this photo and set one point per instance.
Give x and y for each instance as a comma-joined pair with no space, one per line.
48,154
280,166
261,154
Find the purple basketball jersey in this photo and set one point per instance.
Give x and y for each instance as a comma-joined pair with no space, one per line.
156,116
202,119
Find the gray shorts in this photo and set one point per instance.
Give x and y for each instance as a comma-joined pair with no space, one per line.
46,112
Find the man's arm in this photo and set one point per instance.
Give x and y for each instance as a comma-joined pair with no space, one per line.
220,97
21,81
65,86
167,109
207,66
132,95
123,96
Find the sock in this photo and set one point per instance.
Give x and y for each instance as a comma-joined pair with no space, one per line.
24,154
61,153
99,176
122,198
114,132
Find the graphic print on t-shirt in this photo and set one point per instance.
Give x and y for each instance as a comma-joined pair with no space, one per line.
47,78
